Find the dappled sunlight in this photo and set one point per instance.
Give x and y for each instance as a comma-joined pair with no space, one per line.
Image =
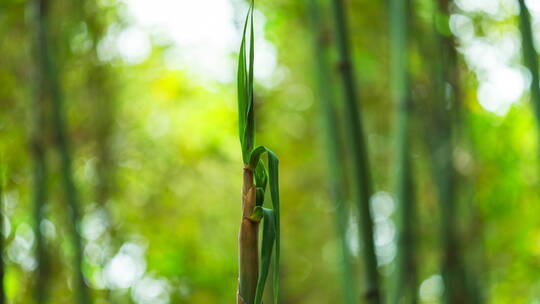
126,267
493,56
199,41
20,250
382,209
431,289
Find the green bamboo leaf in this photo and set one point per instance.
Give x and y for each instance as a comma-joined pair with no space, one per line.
249,130
273,172
241,97
259,197
242,89
257,214
268,239
273,179
261,176
251,55
261,180
255,156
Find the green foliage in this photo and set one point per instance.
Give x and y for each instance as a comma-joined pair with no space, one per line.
246,122
273,235
261,179
268,240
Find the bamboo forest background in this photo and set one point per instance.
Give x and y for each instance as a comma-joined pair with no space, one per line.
120,162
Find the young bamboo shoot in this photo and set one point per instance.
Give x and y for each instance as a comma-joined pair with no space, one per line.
253,267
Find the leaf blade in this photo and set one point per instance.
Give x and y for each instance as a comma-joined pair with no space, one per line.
242,90
249,132
273,181
268,239
273,174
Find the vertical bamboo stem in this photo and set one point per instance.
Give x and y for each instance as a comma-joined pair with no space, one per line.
40,173
355,136
40,197
38,148
447,97
248,243
333,151
47,70
405,280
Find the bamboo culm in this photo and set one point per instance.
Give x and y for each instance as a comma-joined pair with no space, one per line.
49,74
444,172
40,199
404,289
37,143
333,151
357,145
248,241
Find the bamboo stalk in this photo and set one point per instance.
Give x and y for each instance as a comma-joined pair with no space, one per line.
530,57
248,243
248,237
446,76
405,279
252,272
40,198
333,151
48,72
40,191
362,177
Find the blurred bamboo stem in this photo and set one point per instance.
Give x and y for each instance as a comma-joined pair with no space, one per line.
248,243
405,283
530,57
333,145
101,92
447,88
50,77
355,134
40,199
37,142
